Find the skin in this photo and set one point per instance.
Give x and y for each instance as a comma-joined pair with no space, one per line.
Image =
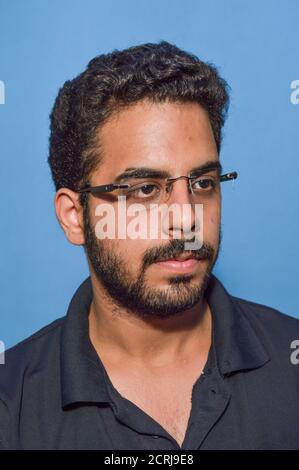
167,136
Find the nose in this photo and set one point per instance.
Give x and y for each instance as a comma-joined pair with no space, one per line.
181,214
179,190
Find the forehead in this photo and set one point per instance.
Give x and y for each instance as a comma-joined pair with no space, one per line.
174,137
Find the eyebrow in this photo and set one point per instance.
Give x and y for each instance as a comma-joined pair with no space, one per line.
211,165
146,172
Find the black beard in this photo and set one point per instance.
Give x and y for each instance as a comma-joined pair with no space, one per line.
134,295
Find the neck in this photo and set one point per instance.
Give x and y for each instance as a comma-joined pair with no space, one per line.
119,335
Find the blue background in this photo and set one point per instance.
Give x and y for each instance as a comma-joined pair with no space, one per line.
255,46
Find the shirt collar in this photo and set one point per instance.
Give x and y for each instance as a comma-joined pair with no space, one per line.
82,373
237,345
84,379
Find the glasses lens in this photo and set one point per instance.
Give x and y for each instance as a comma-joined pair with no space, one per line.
204,185
143,192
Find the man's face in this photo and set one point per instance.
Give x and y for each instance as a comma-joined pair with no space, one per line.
169,137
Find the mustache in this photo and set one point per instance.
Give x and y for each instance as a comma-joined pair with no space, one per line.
175,248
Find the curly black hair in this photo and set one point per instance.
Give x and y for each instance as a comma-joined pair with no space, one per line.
157,72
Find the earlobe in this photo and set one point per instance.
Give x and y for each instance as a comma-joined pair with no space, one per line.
69,215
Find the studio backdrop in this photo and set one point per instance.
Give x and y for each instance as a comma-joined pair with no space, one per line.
254,45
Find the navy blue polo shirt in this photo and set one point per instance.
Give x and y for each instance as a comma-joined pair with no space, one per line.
55,392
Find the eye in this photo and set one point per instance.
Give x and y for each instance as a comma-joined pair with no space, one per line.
145,190
203,184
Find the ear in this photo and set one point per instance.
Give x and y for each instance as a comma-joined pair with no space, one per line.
69,213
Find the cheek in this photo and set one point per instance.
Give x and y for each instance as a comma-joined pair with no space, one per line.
130,252
211,225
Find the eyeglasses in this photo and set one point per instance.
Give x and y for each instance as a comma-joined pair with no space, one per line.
151,191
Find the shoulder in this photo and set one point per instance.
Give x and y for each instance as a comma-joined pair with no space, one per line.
275,328
23,363
33,352
266,315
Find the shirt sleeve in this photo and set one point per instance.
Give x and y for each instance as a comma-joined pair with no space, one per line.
4,425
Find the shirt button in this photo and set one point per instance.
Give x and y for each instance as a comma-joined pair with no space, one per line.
156,437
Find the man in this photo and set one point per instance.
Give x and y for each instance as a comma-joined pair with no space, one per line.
153,353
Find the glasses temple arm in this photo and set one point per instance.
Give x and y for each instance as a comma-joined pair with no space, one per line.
105,188
229,176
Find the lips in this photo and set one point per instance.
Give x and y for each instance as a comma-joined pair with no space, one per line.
181,263
182,257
